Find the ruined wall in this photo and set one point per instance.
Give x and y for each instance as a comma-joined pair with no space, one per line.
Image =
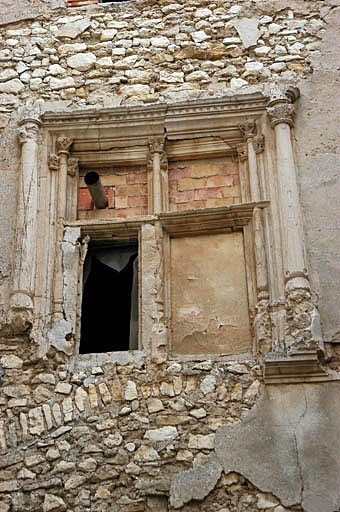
105,436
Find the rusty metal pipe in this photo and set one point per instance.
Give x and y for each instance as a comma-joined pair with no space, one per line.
97,190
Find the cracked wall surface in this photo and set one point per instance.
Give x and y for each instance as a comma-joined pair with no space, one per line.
288,445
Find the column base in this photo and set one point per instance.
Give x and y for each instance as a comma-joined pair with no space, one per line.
280,368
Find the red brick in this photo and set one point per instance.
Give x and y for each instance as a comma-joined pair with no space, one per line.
123,213
220,181
172,186
191,183
178,172
212,203
182,197
132,190
121,202
230,191
140,177
84,200
110,192
208,193
137,201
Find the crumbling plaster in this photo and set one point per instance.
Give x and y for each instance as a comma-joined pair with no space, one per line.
288,445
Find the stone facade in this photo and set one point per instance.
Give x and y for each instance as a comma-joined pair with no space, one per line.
213,127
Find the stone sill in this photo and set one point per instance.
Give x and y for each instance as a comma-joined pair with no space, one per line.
83,361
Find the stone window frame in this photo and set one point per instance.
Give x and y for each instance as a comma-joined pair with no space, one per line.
256,128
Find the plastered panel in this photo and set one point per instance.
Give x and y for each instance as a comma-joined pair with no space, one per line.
209,295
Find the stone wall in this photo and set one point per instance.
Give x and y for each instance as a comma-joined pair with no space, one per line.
105,436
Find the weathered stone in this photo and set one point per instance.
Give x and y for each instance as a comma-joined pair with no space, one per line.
25,473
9,486
113,440
52,454
11,361
108,34
265,501
208,384
160,42
61,83
248,31
67,405
162,434
82,61
130,391
93,396
200,442
198,413
36,421
155,405
64,467
33,460
104,393
87,465
184,456
73,29
167,389
53,503
146,454
57,413
7,74
75,481
80,399
16,391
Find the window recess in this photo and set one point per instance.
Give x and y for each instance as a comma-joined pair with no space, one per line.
109,316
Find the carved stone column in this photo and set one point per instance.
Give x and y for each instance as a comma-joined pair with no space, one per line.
63,145
20,315
262,323
303,334
158,166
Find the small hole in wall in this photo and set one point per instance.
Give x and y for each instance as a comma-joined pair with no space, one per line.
109,318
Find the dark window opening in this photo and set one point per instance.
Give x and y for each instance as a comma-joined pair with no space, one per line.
109,318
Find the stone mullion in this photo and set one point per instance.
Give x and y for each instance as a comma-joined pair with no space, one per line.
158,164
262,324
63,144
21,301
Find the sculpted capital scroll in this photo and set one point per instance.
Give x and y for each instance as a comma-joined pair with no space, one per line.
28,131
242,151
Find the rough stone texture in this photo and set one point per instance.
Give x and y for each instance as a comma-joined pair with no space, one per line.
131,431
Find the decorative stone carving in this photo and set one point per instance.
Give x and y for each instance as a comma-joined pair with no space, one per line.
156,144
263,327
72,166
63,144
248,129
258,143
281,113
242,151
53,162
29,130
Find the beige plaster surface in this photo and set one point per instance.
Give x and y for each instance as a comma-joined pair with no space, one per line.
209,295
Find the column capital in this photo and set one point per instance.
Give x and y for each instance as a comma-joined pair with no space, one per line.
242,151
72,166
30,114
248,129
156,144
278,94
63,144
258,143
53,162
281,113
28,130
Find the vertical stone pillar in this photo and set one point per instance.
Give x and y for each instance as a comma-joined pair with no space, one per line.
303,331
20,315
63,145
158,167
262,324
